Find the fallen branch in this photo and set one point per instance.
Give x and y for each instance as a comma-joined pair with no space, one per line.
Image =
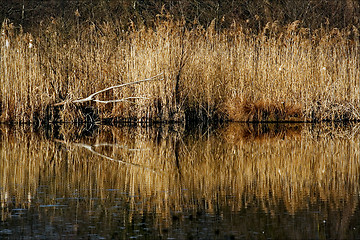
91,97
119,146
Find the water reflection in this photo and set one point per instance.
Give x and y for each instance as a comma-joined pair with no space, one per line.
235,181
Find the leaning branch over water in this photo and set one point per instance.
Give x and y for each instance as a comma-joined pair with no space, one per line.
91,97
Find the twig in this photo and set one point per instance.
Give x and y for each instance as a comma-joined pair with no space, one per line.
118,100
119,146
91,97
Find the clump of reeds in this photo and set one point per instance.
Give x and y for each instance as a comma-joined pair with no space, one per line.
261,111
285,73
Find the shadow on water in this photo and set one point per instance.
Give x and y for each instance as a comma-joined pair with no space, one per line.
232,181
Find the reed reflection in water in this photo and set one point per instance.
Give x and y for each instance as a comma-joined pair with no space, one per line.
236,181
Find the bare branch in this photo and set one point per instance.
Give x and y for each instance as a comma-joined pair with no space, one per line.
91,97
118,100
120,146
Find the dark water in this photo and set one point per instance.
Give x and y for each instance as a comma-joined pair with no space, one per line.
238,181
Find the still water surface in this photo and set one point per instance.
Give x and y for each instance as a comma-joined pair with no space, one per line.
237,181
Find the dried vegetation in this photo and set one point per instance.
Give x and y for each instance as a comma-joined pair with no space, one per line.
283,73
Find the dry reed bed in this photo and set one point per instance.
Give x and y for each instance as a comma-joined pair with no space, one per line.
283,74
297,169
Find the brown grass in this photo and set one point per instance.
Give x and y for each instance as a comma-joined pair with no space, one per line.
261,111
285,73
253,14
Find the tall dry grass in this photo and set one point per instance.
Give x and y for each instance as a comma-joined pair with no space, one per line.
286,73
254,14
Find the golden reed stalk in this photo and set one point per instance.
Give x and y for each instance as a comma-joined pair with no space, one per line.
282,74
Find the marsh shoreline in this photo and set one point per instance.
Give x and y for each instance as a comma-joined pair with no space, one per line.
282,74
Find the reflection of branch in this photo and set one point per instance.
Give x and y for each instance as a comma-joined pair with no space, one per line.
90,148
91,96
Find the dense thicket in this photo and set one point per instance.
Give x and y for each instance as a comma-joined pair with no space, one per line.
255,13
